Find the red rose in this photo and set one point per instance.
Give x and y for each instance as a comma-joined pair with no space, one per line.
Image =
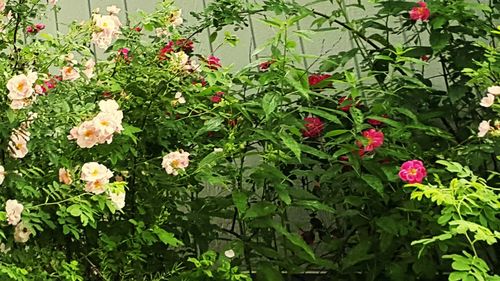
313,127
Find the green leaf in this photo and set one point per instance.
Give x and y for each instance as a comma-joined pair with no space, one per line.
240,200
260,209
266,272
321,113
166,237
290,142
74,210
439,40
374,182
357,254
270,102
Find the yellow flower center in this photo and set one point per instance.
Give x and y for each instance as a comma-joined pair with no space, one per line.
175,163
412,172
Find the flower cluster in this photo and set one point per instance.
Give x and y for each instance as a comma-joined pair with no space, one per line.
96,177
101,128
34,29
487,101
175,161
13,210
107,27
21,89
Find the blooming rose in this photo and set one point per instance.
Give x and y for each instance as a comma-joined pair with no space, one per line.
97,186
22,233
494,90
13,211
21,86
2,174
118,198
313,127
93,171
175,161
70,73
374,139
65,176
421,12
484,127
488,100
107,29
412,171
86,135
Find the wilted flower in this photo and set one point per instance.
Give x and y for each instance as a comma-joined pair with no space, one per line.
484,127
22,233
264,66
213,62
13,211
412,171
421,12
18,144
487,101
175,161
313,127
65,176
176,18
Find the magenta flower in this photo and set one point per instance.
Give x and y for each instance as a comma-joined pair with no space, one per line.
213,62
412,171
421,12
217,97
313,127
374,139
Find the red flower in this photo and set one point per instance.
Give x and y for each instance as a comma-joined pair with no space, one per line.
39,26
265,65
421,12
374,139
217,97
345,103
233,122
412,171
30,29
185,45
315,79
425,58
123,53
313,127
138,28
213,62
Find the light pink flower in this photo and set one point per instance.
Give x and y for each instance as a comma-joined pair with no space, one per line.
13,210
484,127
108,106
65,176
488,101
107,29
86,135
52,2
93,171
18,146
412,171
2,5
70,73
113,10
178,99
97,186
118,199
19,104
22,233
2,174
494,90
21,86
89,68
175,161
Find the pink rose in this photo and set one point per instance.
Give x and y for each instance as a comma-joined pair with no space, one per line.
412,171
